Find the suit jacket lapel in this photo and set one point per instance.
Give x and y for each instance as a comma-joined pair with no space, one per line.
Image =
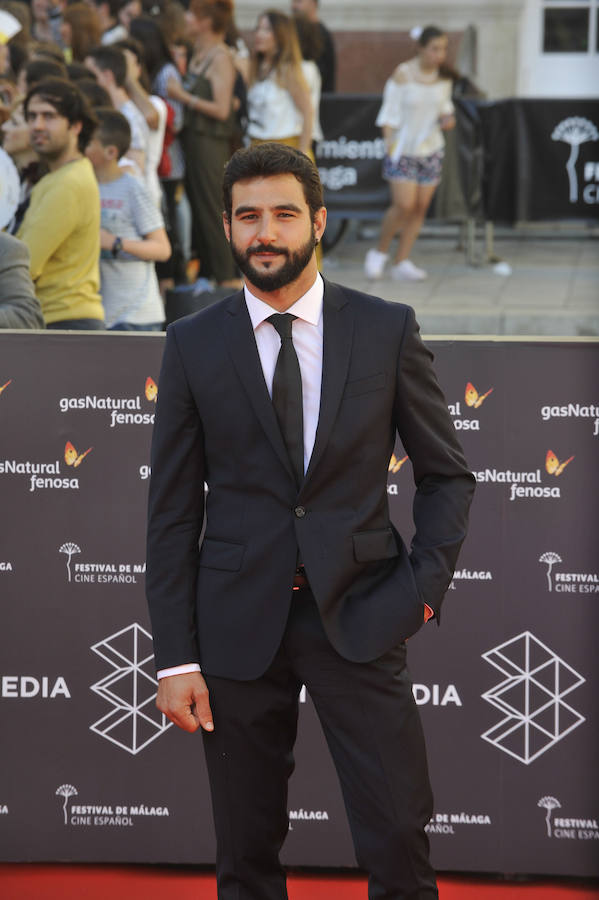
338,326
244,356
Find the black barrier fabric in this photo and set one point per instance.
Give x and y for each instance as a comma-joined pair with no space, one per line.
507,686
541,159
350,157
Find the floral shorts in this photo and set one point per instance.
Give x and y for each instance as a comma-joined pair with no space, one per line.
419,169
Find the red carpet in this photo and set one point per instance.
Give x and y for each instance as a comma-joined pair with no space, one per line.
78,882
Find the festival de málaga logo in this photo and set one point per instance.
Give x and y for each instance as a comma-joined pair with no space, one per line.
574,131
47,475
568,582
472,400
102,572
528,485
104,814
577,828
120,410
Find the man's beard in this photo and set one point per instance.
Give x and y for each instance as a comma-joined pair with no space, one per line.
292,268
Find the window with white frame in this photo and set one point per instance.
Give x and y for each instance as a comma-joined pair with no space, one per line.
570,26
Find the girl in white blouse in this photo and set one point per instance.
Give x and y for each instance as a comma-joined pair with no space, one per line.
416,109
279,104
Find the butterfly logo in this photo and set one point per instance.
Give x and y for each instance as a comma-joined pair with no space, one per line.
395,464
72,458
553,465
473,398
4,386
151,389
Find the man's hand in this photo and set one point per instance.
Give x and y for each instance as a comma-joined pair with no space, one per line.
184,700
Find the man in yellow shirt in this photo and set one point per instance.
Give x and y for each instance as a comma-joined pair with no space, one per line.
62,224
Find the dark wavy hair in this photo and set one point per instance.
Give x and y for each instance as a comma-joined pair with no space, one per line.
68,101
150,35
266,160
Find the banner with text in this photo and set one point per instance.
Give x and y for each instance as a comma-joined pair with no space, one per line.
506,687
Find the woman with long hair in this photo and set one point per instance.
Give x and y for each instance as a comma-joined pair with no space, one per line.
416,109
164,76
279,104
207,133
80,30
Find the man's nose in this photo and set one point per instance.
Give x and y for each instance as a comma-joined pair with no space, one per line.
266,230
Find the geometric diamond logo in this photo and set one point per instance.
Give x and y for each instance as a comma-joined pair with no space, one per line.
532,698
133,722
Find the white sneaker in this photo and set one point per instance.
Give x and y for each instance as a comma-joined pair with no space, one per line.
374,264
407,271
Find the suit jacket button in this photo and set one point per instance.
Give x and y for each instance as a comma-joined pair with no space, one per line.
299,511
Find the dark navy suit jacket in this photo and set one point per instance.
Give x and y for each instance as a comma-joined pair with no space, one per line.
222,599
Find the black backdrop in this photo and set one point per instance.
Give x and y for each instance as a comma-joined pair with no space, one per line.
507,686
540,158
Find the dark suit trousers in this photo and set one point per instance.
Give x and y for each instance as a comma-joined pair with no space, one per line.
373,731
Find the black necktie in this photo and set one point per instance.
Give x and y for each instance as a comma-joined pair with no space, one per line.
287,394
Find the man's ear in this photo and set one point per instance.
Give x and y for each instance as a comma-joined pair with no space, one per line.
320,222
227,226
76,127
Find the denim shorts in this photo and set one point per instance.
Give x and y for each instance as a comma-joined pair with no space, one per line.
419,169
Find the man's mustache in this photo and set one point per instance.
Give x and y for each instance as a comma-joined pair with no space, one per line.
281,250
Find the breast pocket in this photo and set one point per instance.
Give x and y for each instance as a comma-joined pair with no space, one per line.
366,385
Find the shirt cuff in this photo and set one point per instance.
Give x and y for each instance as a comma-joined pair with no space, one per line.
428,614
178,670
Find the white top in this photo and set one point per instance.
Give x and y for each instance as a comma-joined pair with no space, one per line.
314,82
154,151
307,333
272,114
137,123
412,109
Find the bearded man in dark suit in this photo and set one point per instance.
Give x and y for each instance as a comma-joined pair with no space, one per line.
284,401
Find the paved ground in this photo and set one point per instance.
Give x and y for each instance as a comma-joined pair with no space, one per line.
553,288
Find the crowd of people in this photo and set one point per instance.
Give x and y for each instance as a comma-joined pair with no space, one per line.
120,116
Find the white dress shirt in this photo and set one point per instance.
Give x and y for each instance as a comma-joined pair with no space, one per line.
307,332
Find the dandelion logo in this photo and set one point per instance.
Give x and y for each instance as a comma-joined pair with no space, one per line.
549,803
551,559
574,131
69,549
67,791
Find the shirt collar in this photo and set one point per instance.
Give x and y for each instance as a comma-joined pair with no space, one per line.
308,307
